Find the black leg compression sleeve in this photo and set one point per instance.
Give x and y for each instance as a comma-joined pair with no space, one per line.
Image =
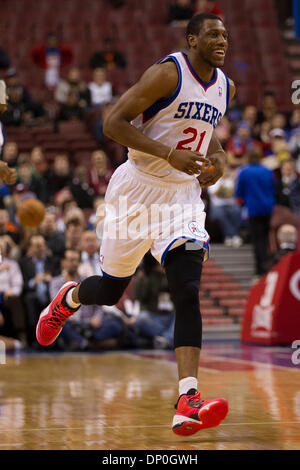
183,270
97,290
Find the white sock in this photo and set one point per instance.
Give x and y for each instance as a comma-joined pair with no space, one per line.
186,384
69,299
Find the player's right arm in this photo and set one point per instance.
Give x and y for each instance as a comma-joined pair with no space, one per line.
158,82
9,175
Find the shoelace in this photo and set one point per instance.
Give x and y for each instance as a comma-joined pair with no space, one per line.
59,316
195,401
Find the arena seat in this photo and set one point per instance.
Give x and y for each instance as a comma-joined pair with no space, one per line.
224,294
66,127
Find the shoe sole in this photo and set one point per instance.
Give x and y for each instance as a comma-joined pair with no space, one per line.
209,417
39,324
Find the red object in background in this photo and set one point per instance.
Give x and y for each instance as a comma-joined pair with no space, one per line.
272,313
39,56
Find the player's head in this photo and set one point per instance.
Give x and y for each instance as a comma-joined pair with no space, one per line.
207,36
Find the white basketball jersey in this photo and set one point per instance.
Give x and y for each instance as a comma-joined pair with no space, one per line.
186,120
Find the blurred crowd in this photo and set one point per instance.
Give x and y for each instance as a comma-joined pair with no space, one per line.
257,201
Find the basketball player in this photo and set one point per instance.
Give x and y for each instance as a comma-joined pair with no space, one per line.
167,121
8,175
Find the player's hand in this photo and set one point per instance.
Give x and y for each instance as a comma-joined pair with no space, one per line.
9,175
213,171
186,161
3,107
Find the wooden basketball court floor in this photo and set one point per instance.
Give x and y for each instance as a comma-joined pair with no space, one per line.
124,400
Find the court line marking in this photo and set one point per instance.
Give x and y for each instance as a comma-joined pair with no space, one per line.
213,357
256,363
267,423
169,361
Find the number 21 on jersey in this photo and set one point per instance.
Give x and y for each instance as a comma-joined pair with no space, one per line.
194,138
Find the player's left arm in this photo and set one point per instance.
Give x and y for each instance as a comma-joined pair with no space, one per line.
215,154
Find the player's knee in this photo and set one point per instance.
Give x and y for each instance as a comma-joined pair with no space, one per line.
186,294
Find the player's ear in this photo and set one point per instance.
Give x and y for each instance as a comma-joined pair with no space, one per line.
192,40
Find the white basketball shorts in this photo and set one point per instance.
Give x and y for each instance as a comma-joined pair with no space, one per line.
143,213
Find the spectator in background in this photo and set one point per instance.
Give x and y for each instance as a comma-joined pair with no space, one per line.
37,267
269,108
26,177
223,130
208,6
100,89
97,218
5,195
74,213
11,286
74,231
64,202
264,138
279,145
10,154
15,112
255,189
38,162
13,83
294,140
4,59
288,187
71,109
90,255
80,189
60,176
52,57
180,13
287,237
156,318
55,240
279,121
249,115
74,84
108,57
21,108
99,172
224,208
7,227
239,144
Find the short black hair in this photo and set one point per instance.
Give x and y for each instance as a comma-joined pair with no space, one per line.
74,251
196,22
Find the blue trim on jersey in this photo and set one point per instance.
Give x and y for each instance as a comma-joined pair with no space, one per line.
205,85
228,93
115,277
203,245
150,112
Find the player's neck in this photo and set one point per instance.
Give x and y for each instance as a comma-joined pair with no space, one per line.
202,68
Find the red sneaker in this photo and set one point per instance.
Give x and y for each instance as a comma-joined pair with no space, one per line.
194,414
53,317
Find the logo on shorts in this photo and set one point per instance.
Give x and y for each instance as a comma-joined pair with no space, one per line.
196,230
